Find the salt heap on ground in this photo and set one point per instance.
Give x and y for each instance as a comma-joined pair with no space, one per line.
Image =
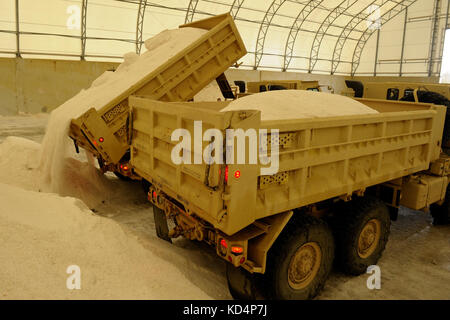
299,104
57,146
43,234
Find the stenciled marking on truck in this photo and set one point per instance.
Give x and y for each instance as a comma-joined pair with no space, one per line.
235,147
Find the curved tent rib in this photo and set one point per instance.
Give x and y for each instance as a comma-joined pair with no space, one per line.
390,14
315,36
295,29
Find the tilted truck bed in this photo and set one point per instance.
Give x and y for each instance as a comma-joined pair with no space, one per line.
320,158
178,79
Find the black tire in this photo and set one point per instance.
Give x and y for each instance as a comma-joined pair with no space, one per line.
441,214
349,222
301,231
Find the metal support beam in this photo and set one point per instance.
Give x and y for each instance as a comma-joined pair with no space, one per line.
83,28
376,54
295,29
402,56
236,6
17,30
388,15
447,16
360,17
328,22
434,35
140,25
444,32
191,11
263,28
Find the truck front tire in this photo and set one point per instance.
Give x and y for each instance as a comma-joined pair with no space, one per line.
301,259
361,229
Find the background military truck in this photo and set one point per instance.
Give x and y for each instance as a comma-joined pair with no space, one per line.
394,90
272,85
340,183
104,132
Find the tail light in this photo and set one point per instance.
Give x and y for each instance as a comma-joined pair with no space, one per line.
223,247
237,250
223,243
226,174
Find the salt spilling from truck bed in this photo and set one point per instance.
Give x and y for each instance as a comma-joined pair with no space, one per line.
108,87
299,104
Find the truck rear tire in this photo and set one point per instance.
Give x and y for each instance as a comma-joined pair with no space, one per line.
301,259
441,214
361,229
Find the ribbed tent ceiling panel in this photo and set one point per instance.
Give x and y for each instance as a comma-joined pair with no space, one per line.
323,36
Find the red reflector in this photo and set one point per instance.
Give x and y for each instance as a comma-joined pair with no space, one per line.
230,259
121,166
101,139
154,194
223,243
237,250
226,174
237,174
242,260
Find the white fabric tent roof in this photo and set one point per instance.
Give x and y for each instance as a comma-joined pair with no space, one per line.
366,37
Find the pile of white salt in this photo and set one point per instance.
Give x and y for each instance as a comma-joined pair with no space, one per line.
57,146
299,104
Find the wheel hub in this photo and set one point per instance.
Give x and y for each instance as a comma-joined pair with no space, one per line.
304,265
369,238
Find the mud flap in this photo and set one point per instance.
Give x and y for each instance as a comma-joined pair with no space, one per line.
162,229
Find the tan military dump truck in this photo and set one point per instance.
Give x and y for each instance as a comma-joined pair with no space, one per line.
245,89
262,86
393,90
340,182
104,132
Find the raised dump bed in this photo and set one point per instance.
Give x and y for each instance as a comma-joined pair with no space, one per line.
104,131
324,164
